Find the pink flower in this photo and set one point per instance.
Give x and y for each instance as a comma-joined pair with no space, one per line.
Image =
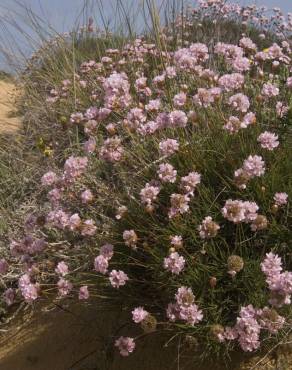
229,51
140,83
279,283
179,204
281,199
83,293
239,211
177,118
148,128
62,268
74,167
233,125
126,345
88,228
234,210
269,90
248,329
117,91
167,173
90,145
174,263
241,64
254,166
239,102
248,119
135,118
76,117
118,278
289,82
172,312
139,314
86,196
153,105
189,183
180,99
204,97
58,218
176,241
232,81
130,238
270,320
170,72
208,228
281,109
74,222
64,287
248,44
268,140
49,178
184,309
272,265
28,290
168,147
101,264
90,127
149,194
107,251
112,150
184,296
54,196
191,314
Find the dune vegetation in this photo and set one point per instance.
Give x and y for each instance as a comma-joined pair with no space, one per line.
155,174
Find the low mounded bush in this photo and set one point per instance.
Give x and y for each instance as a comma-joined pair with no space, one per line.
170,191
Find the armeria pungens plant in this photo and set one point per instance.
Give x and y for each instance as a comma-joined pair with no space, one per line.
174,196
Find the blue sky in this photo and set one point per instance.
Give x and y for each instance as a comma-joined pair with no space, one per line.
61,15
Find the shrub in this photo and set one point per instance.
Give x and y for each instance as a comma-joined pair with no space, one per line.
174,196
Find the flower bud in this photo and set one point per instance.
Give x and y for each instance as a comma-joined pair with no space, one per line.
213,281
149,324
235,263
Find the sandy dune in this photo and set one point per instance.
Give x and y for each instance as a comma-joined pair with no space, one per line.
9,122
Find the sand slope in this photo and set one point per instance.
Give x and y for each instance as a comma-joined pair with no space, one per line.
9,122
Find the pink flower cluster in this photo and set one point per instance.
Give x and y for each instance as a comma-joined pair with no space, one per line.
112,150
29,290
268,140
240,211
29,245
249,325
126,345
174,263
280,199
139,314
184,308
101,262
167,173
208,228
168,147
239,102
253,166
279,282
149,194
74,167
117,91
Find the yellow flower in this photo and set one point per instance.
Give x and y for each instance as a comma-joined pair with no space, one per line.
48,151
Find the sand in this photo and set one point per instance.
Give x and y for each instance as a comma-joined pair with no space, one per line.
9,121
